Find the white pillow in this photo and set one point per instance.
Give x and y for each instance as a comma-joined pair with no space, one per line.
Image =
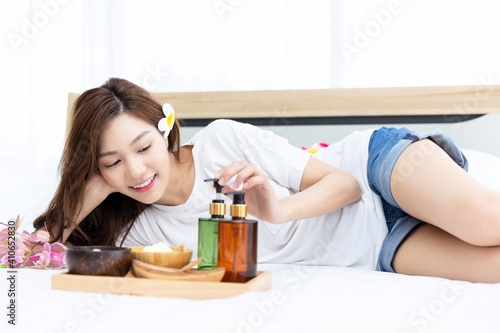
485,167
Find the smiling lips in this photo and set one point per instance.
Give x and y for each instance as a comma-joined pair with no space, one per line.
145,186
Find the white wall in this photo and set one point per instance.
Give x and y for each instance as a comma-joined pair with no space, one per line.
51,47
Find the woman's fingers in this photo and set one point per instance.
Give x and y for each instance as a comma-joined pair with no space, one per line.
260,197
245,173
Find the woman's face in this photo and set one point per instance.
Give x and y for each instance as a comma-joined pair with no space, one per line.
133,158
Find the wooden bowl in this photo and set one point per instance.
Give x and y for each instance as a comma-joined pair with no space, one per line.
174,259
98,260
150,271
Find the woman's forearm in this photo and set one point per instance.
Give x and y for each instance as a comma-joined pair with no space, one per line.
333,192
95,194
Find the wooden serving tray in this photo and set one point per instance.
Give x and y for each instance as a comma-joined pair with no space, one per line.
131,285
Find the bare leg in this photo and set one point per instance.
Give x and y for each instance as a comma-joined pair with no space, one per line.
431,251
429,185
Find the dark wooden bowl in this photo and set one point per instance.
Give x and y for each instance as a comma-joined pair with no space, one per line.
98,260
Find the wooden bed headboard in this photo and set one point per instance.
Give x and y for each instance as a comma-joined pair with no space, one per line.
333,106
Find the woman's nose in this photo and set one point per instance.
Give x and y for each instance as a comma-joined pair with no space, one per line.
136,168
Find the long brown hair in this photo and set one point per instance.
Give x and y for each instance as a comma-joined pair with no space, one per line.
92,112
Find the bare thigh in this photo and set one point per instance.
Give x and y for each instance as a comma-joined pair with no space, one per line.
427,184
431,251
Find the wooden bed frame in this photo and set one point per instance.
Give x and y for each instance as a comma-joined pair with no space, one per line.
334,106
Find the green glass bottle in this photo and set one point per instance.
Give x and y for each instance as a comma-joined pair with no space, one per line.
208,230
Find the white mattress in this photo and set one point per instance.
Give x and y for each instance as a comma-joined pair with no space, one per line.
302,299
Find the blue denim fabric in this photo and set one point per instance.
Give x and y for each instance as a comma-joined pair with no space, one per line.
385,146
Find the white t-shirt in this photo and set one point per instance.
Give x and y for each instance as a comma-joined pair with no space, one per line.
350,237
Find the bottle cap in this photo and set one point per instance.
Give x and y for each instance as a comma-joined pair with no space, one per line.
238,208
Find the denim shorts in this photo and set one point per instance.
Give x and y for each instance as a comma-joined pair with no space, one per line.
385,146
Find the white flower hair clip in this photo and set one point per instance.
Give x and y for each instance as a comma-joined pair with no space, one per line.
166,124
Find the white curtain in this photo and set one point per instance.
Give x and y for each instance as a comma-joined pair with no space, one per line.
52,47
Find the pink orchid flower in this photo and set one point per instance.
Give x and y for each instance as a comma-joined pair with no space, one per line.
4,233
6,237
42,259
32,250
40,236
58,255
15,261
23,241
3,242
48,256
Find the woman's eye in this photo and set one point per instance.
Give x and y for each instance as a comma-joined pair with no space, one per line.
112,164
145,149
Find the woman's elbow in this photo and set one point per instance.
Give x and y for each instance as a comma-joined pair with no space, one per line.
355,189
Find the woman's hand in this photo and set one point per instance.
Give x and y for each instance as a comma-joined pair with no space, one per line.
323,189
259,194
98,187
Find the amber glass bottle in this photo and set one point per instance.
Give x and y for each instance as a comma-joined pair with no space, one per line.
238,243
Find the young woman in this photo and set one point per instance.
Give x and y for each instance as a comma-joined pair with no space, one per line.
389,199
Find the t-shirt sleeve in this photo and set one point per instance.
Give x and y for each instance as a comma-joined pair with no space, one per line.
224,141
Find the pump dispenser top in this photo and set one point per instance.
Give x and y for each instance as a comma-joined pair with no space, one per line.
238,209
217,206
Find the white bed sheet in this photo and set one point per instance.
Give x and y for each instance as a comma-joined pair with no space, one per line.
485,167
302,299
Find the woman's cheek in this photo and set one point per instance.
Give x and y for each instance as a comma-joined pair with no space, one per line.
109,177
